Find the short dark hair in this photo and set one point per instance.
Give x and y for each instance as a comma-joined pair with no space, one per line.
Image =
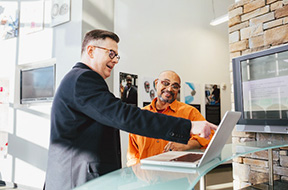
96,35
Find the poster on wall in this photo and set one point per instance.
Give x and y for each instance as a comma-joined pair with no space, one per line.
192,94
9,20
129,88
212,101
32,16
60,12
148,90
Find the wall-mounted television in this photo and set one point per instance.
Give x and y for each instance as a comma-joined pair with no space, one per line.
36,82
261,90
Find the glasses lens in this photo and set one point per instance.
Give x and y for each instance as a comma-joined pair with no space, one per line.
175,86
165,83
112,54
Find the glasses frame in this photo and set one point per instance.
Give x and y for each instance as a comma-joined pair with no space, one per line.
169,84
112,53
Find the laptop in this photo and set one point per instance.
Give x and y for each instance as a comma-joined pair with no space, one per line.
196,158
173,169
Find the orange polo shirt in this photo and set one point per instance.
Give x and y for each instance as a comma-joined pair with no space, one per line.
142,147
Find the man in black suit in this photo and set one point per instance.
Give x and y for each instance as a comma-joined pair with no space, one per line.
130,92
86,118
216,94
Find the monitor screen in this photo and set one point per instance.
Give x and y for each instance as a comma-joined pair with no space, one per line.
261,87
265,87
37,84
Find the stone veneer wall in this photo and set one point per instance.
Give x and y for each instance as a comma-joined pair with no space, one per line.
255,25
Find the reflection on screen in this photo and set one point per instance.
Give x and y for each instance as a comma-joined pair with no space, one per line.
265,87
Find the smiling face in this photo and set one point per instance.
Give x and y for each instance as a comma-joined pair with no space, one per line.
168,86
100,61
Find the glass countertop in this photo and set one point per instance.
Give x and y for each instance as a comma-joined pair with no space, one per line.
151,177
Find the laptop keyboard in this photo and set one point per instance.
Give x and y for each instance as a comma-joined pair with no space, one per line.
191,157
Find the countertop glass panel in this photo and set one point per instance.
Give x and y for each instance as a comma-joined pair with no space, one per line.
163,177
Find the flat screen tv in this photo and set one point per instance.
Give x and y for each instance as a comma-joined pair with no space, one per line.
261,90
37,84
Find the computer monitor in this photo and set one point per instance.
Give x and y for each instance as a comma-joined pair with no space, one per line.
35,82
261,90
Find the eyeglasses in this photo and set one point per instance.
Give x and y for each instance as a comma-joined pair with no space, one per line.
112,53
175,86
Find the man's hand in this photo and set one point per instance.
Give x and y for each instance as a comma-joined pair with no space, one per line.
173,146
202,128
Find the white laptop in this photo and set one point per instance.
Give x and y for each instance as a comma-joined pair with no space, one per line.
192,159
173,169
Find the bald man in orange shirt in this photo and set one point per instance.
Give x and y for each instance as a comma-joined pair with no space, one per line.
168,86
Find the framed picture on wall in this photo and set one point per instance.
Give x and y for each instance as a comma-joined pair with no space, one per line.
212,101
148,89
129,88
9,17
192,93
60,12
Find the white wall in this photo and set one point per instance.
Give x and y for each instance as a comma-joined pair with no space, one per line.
172,35
98,15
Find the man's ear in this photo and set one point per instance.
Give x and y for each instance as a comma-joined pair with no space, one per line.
90,51
156,82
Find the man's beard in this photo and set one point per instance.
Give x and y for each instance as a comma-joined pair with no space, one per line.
167,100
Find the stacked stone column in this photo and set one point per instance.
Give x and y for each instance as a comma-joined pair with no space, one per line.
256,25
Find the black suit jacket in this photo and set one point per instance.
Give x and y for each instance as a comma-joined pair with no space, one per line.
85,123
